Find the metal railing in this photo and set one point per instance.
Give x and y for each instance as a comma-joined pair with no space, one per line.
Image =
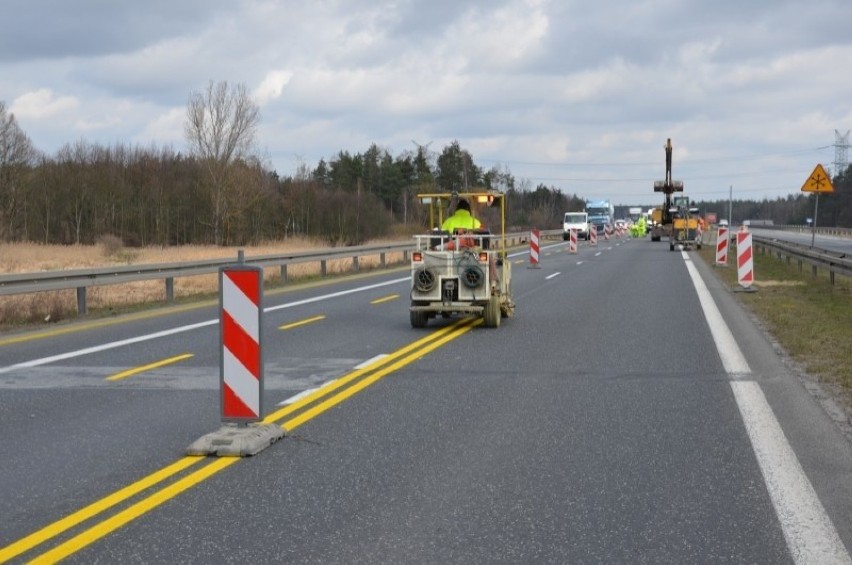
82,279
832,261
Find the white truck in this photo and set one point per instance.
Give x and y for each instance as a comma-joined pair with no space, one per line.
575,221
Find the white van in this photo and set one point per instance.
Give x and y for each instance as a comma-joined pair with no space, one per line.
575,221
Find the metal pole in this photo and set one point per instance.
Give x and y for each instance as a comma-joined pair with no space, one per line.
814,224
730,204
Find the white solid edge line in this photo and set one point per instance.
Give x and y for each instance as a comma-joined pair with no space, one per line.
811,536
732,357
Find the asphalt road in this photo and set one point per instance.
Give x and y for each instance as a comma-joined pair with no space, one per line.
630,412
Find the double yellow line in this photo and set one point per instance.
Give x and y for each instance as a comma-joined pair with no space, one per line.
299,412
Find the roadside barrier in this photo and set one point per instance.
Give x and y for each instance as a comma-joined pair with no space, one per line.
745,260
572,241
606,232
722,246
534,246
593,235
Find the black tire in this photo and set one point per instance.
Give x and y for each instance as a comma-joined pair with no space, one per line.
419,319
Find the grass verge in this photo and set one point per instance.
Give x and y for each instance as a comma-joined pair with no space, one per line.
807,315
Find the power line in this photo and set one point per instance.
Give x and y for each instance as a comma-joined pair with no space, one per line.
753,157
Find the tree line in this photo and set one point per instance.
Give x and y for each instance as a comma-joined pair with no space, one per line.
218,191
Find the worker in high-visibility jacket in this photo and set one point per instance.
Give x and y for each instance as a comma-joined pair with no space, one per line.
638,228
461,218
463,221
460,222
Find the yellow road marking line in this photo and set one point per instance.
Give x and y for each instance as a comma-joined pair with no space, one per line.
147,504
56,528
342,381
384,299
361,385
150,366
302,322
405,356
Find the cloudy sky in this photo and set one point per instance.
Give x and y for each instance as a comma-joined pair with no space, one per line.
576,94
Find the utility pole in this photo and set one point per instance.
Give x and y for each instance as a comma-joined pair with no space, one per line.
730,205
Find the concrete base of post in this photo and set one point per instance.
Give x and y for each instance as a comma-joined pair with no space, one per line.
741,288
233,440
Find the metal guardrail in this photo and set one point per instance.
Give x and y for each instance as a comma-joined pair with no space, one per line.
832,261
82,279
841,232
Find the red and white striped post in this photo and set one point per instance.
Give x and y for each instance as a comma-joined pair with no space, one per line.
745,260
593,235
572,241
241,354
534,239
722,246
606,231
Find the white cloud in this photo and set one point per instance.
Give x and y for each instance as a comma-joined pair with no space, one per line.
518,82
272,86
166,127
42,104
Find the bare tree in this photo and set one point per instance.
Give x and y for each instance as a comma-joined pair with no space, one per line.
221,126
16,156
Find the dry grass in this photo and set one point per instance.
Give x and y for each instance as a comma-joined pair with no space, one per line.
55,306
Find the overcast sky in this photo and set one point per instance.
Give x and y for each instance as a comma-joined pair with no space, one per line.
576,94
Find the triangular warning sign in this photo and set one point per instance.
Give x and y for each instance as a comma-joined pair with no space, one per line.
819,181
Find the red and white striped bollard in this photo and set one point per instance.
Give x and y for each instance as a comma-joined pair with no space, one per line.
241,380
722,246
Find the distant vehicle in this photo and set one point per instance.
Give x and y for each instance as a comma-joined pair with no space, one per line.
575,221
600,213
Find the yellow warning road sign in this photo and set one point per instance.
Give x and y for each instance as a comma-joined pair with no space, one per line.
819,181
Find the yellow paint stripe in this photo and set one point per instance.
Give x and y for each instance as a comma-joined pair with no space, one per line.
111,524
361,385
384,299
342,381
56,528
149,367
302,322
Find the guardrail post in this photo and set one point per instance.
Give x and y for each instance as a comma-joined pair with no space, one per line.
323,268
355,263
283,273
170,289
382,260
81,301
